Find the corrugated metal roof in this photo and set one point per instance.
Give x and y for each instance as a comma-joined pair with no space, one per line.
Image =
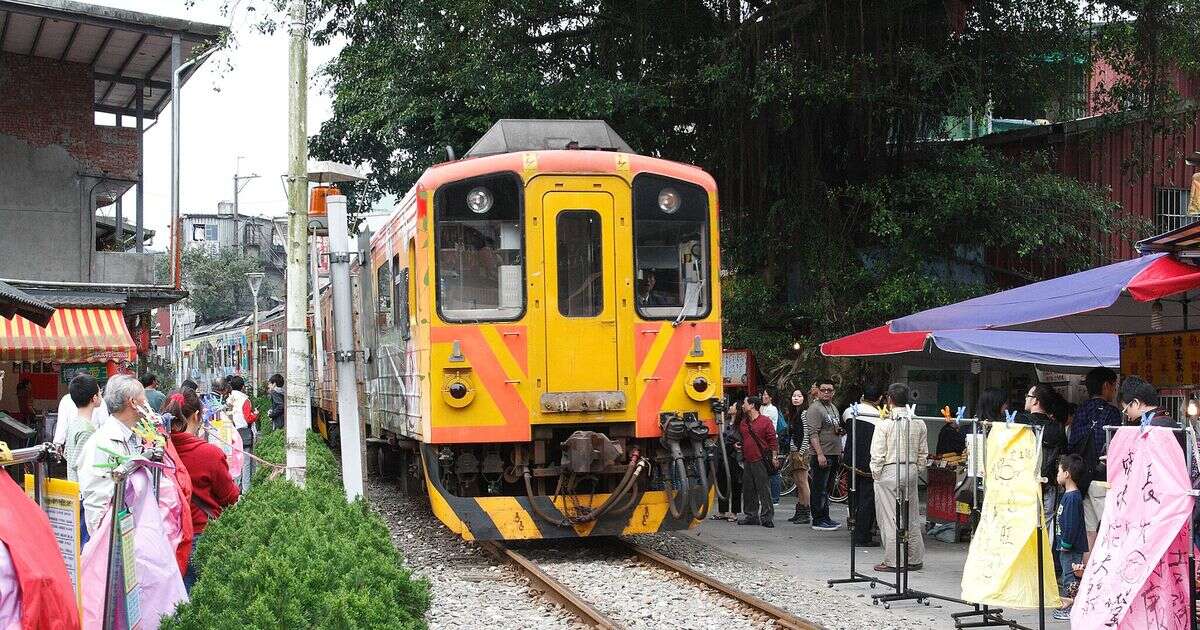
14,301
1180,240
80,299
124,49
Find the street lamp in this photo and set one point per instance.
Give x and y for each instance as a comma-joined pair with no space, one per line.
254,279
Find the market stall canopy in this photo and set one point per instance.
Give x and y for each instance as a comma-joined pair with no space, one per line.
1048,349
14,302
1116,298
73,335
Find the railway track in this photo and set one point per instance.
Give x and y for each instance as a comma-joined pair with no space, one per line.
570,599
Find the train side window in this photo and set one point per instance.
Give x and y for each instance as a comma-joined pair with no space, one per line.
383,292
580,268
480,249
398,302
402,304
671,248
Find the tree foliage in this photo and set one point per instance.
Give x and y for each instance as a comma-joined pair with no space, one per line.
216,283
816,118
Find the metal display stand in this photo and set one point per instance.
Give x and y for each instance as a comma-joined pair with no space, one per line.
988,616
40,456
114,577
855,577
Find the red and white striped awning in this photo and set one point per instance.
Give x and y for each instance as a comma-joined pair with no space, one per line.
74,335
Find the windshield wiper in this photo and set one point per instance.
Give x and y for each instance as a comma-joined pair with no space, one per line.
691,300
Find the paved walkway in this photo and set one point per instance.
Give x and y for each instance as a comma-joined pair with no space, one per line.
802,551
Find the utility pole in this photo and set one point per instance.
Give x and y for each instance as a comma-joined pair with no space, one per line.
343,332
298,416
238,178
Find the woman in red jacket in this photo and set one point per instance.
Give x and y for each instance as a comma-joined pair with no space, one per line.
212,487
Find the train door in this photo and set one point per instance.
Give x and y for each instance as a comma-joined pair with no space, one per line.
580,283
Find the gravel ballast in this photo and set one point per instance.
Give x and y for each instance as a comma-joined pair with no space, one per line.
470,589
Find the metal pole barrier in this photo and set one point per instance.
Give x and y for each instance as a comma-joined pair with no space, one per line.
855,576
115,568
1041,578
1191,440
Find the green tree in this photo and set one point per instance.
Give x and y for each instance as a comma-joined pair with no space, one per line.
216,284
815,117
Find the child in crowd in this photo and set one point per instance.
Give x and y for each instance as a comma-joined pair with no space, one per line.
84,391
1072,534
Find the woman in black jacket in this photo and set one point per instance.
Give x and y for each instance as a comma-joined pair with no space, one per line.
800,455
1049,410
276,413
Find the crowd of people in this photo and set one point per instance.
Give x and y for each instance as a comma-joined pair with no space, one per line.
867,441
98,428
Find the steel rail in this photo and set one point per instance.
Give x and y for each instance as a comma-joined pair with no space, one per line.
551,588
782,618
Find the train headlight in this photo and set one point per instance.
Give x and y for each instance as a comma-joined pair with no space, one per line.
457,391
479,200
669,200
697,385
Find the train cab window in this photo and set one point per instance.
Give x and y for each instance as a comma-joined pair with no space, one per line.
671,248
383,291
580,272
480,249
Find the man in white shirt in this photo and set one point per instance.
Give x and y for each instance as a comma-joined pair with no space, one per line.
67,411
115,433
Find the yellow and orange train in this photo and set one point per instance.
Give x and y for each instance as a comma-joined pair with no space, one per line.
540,338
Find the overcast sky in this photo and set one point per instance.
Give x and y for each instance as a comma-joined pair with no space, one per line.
227,111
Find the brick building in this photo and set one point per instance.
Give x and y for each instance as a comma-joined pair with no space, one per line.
64,67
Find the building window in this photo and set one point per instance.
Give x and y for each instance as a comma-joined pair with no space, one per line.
204,232
1171,209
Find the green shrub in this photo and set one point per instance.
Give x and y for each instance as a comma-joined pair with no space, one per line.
287,557
322,467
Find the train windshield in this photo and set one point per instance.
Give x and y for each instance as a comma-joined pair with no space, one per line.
671,248
480,250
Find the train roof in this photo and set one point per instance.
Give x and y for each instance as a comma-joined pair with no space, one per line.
511,135
529,164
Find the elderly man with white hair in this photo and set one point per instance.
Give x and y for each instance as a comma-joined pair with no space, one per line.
115,434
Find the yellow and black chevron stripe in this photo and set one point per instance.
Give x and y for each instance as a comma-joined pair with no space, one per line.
512,518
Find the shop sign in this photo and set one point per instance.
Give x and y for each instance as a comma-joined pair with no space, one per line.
1169,359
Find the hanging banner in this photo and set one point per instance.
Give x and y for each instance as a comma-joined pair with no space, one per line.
1002,563
62,508
1136,576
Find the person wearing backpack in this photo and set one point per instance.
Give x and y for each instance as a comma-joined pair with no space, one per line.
1088,440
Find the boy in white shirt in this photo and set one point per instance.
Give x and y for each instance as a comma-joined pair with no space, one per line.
84,393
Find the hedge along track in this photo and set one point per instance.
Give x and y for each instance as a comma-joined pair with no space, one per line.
555,590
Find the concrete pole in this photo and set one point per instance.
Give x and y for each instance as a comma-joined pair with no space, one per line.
298,380
343,334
